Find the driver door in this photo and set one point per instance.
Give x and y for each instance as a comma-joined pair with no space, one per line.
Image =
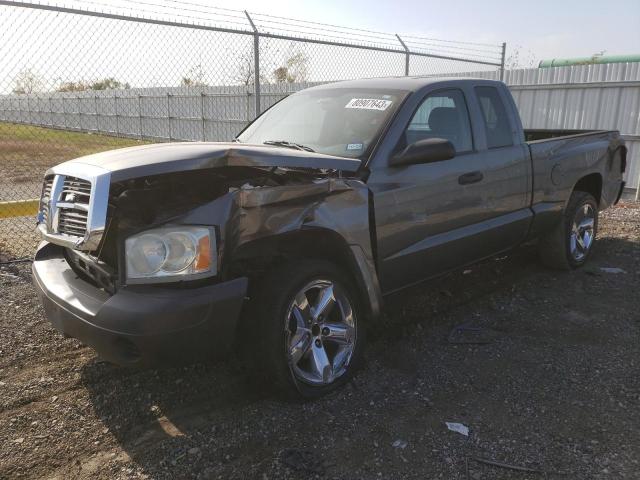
425,213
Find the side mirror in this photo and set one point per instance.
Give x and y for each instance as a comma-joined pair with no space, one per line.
424,151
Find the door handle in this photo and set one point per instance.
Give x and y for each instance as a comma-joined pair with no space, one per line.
471,177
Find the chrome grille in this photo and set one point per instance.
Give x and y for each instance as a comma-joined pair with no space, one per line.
78,187
44,199
72,222
73,207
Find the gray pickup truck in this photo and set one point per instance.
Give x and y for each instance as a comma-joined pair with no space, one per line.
283,243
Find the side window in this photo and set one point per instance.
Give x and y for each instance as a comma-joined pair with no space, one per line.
442,114
495,116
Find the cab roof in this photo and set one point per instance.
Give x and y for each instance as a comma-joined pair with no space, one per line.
410,84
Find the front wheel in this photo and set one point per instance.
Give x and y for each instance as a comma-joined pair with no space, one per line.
571,242
309,328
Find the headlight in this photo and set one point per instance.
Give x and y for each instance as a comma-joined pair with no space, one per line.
171,254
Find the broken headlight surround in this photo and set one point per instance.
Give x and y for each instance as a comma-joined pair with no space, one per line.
171,254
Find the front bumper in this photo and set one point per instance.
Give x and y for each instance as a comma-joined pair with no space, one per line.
139,325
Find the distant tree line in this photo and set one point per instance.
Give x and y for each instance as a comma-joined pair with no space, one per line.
109,83
293,68
28,81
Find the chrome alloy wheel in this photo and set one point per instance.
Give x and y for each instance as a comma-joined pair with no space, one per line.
320,333
582,232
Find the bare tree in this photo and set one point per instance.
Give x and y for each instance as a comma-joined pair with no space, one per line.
246,68
27,81
292,68
520,57
246,65
295,69
194,77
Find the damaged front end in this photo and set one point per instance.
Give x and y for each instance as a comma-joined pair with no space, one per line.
259,212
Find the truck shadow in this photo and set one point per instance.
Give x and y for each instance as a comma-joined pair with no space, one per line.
174,407
179,420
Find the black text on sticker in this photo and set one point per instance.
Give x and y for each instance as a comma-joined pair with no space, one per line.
368,103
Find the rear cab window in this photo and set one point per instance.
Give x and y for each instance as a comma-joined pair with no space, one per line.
496,119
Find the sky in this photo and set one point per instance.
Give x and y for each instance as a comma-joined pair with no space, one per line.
548,29
58,48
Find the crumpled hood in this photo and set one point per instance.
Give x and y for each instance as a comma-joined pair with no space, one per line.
156,159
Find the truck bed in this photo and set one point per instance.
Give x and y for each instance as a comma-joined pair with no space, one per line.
561,158
537,134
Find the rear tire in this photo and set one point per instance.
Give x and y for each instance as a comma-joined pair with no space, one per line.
570,244
307,329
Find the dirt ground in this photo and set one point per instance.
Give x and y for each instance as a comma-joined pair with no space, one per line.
550,382
27,151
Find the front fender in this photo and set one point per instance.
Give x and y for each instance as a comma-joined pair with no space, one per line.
298,218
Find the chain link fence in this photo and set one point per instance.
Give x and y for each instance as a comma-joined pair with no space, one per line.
77,79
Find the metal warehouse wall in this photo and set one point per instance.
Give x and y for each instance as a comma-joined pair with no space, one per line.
204,113
577,97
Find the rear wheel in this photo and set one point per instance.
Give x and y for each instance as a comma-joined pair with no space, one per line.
310,334
571,243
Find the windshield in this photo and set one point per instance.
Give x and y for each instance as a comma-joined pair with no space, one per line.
337,121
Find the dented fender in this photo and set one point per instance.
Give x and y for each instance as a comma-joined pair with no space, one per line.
253,215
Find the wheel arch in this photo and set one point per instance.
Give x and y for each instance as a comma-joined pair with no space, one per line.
591,183
258,256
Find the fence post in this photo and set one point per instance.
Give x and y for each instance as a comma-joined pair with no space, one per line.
51,114
407,54
40,111
64,112
95,108
43,112
256,63
204,135
115,109
504,52
140,115
169,114
79,122
28,111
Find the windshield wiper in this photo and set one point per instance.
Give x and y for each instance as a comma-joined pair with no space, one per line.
284,143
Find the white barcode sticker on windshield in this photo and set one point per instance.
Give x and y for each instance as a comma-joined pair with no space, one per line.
368,103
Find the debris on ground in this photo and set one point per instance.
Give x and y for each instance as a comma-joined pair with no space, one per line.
402,444
458,428
518,468
612,270
9,275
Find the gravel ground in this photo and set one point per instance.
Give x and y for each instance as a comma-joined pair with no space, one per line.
549,382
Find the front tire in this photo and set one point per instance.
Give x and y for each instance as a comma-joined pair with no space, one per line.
570,244
308,324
